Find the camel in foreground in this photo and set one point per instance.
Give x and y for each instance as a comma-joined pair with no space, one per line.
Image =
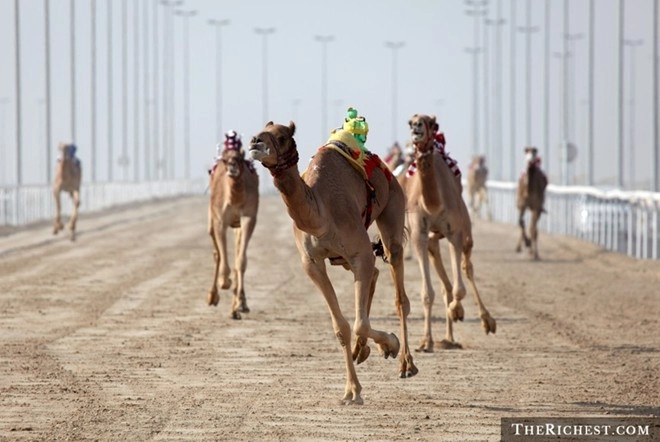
531,195
332,204
477,176
234,203
68,174
436,210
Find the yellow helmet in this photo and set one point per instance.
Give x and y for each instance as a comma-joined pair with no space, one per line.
357,125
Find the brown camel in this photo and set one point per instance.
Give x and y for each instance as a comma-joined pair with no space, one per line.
67,179
531,195
234,203
436,210
332,205
477,176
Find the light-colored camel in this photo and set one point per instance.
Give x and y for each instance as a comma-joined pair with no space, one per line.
436,210
531,195
234,203
68,174
477,175
331,205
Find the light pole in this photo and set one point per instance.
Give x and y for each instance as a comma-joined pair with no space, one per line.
168,88
633,45
110,94
186,87
123,160
136,94
47,88
92,157
17,30
218,24
571,38
512,92
475,50
620,157
73,72
528,30
497,162
655,186
561,120
264,32
394,46
324,40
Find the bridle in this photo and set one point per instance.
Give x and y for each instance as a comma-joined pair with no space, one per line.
284,161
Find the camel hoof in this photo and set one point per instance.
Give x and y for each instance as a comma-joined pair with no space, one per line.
356,401
450,345
425,347
213,298
363,354
225,284
244,308
235,315
456,312
488,323
390,350
410,372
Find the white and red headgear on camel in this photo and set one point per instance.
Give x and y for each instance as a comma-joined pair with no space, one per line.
232,140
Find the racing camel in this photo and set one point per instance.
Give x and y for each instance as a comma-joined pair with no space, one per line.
234,204
436,210
531,195
332,204
477,176
68,174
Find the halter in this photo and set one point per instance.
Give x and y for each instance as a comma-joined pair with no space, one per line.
285,161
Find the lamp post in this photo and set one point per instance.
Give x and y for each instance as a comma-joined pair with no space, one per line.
73,71
218,24
572,39
168,88
324,40
47,88
17,30
497,162
92,157
186,87
528,30
475,51
264,32
562,56
394,46
633,45
110,94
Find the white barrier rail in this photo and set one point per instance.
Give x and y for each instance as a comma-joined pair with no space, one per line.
624,222
27,204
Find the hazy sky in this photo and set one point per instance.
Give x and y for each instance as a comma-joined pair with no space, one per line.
434,76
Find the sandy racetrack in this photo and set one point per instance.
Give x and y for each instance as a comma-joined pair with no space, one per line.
110,338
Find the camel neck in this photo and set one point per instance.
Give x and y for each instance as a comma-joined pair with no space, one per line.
300,201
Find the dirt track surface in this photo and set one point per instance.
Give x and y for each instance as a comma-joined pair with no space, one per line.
110,338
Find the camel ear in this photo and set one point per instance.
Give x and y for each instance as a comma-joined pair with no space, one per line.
270,123
292,127
411,118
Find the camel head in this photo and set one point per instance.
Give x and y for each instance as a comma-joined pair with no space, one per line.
232,159
478,162
422,132
531,156
275,147
67,151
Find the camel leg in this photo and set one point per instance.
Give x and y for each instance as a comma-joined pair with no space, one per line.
523,234
434,252
486,204
317,273
220,232
534,234
57,225
455,310
213,297
420,240
392,242
75,195
243,236
487,321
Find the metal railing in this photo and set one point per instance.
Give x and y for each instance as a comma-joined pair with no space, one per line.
624,222
21,205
